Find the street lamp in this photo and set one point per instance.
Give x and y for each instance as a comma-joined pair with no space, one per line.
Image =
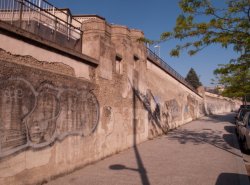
159,49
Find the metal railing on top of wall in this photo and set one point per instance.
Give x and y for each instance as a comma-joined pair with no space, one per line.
169,69
22,13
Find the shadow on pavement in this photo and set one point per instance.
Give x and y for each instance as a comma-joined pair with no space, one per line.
121,167
215,138
206,136
232,179
230,129
222,118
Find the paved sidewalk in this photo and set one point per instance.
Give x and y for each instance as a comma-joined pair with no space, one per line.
203,152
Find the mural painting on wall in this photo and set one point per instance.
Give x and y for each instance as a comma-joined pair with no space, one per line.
35,118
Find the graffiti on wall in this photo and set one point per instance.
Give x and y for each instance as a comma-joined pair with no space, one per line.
202,110
190,107
35,118
173,109
160,116
164,115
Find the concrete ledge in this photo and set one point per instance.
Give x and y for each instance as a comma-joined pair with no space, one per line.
38,41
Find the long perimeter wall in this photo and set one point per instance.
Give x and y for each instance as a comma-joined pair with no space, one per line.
59,113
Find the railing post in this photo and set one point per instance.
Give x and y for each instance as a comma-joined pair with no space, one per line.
68,20
39,3
39,10
55,24
13,9
21,13
29,14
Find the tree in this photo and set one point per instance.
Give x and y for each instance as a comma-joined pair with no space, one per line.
229,25
235,76
193,79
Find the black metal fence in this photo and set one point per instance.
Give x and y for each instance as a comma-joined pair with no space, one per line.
39,17
169,69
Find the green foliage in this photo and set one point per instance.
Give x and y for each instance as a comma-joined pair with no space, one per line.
193,79
229,25
145,40
235,76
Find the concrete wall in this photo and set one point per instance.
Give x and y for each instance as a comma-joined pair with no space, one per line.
58,116
44,117
215,104
20,47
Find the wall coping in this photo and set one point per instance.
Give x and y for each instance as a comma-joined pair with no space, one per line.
110,28
217,96
89,16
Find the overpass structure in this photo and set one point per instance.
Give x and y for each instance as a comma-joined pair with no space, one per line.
76,89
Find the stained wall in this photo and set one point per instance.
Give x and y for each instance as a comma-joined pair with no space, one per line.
215,104
53,121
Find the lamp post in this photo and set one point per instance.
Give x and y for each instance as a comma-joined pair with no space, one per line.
159,49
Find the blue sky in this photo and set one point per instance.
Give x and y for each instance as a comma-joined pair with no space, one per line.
153,18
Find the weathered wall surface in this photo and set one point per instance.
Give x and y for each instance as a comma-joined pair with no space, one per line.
53,121
44,118
177,104
20,47
215,104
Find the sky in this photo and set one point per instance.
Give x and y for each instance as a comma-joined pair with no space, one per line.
154,17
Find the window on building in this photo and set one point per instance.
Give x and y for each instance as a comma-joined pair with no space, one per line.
136,59
118,64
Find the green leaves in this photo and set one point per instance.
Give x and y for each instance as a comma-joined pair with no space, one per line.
165,35
235,76
202,28
209,11
175,53
201,24
197,44
229,25
192,52
145,40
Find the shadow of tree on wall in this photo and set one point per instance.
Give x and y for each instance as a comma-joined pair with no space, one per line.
155,115
158,119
